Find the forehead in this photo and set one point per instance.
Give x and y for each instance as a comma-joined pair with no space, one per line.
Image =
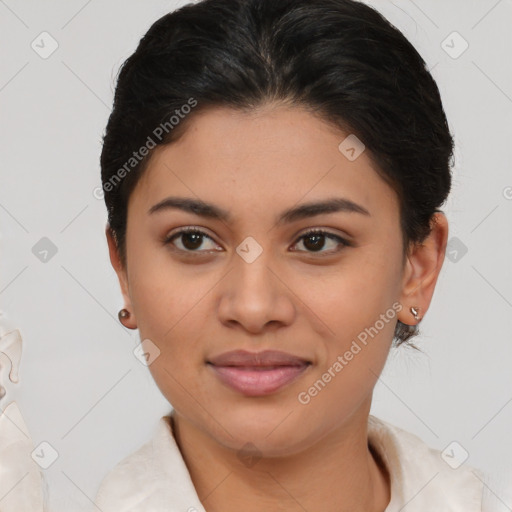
262,159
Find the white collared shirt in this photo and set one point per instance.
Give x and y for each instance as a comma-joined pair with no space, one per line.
155,478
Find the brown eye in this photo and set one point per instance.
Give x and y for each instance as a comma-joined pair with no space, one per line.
191,240
315,240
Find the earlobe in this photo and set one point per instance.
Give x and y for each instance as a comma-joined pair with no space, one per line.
128,318
424,265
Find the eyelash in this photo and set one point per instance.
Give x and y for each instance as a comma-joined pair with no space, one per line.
315,231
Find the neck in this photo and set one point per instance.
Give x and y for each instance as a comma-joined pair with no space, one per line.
339,473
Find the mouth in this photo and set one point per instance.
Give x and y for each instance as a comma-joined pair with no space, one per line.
257,373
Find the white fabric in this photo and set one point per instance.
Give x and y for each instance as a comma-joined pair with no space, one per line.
21,480
155,477
21,486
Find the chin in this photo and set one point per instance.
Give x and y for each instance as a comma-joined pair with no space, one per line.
272,430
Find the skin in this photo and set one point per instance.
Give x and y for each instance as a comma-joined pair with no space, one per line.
292,298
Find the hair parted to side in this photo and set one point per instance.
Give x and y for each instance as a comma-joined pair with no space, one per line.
341,60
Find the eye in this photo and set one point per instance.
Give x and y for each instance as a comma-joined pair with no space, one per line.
314,240
191,239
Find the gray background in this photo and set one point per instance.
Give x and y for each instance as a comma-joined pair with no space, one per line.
82,389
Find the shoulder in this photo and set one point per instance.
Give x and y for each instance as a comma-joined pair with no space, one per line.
423,476
153,478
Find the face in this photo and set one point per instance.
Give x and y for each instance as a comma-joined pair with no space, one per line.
255,280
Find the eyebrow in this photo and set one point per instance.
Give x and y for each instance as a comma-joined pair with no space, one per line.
303,211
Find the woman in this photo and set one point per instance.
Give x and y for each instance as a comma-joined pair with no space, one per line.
273,172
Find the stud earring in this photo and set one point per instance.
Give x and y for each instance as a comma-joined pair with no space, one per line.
124,313
414,311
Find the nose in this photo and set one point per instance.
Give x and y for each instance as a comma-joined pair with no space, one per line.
255,297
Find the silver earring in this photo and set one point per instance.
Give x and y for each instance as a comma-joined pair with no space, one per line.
414,311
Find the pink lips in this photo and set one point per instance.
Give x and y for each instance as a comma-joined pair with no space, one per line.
257,373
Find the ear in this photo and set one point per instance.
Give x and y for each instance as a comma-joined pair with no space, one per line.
122,275
422,270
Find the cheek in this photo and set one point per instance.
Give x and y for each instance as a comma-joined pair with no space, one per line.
170,308
353,295
350,361
355,305
177,369
162,291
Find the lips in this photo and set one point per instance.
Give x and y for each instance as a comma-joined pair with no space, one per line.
257,373
257,359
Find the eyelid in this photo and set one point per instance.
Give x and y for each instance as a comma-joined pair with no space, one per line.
324,231
343,241
188,229
191,228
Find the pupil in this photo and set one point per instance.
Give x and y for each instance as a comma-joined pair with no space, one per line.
188,237
316,245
